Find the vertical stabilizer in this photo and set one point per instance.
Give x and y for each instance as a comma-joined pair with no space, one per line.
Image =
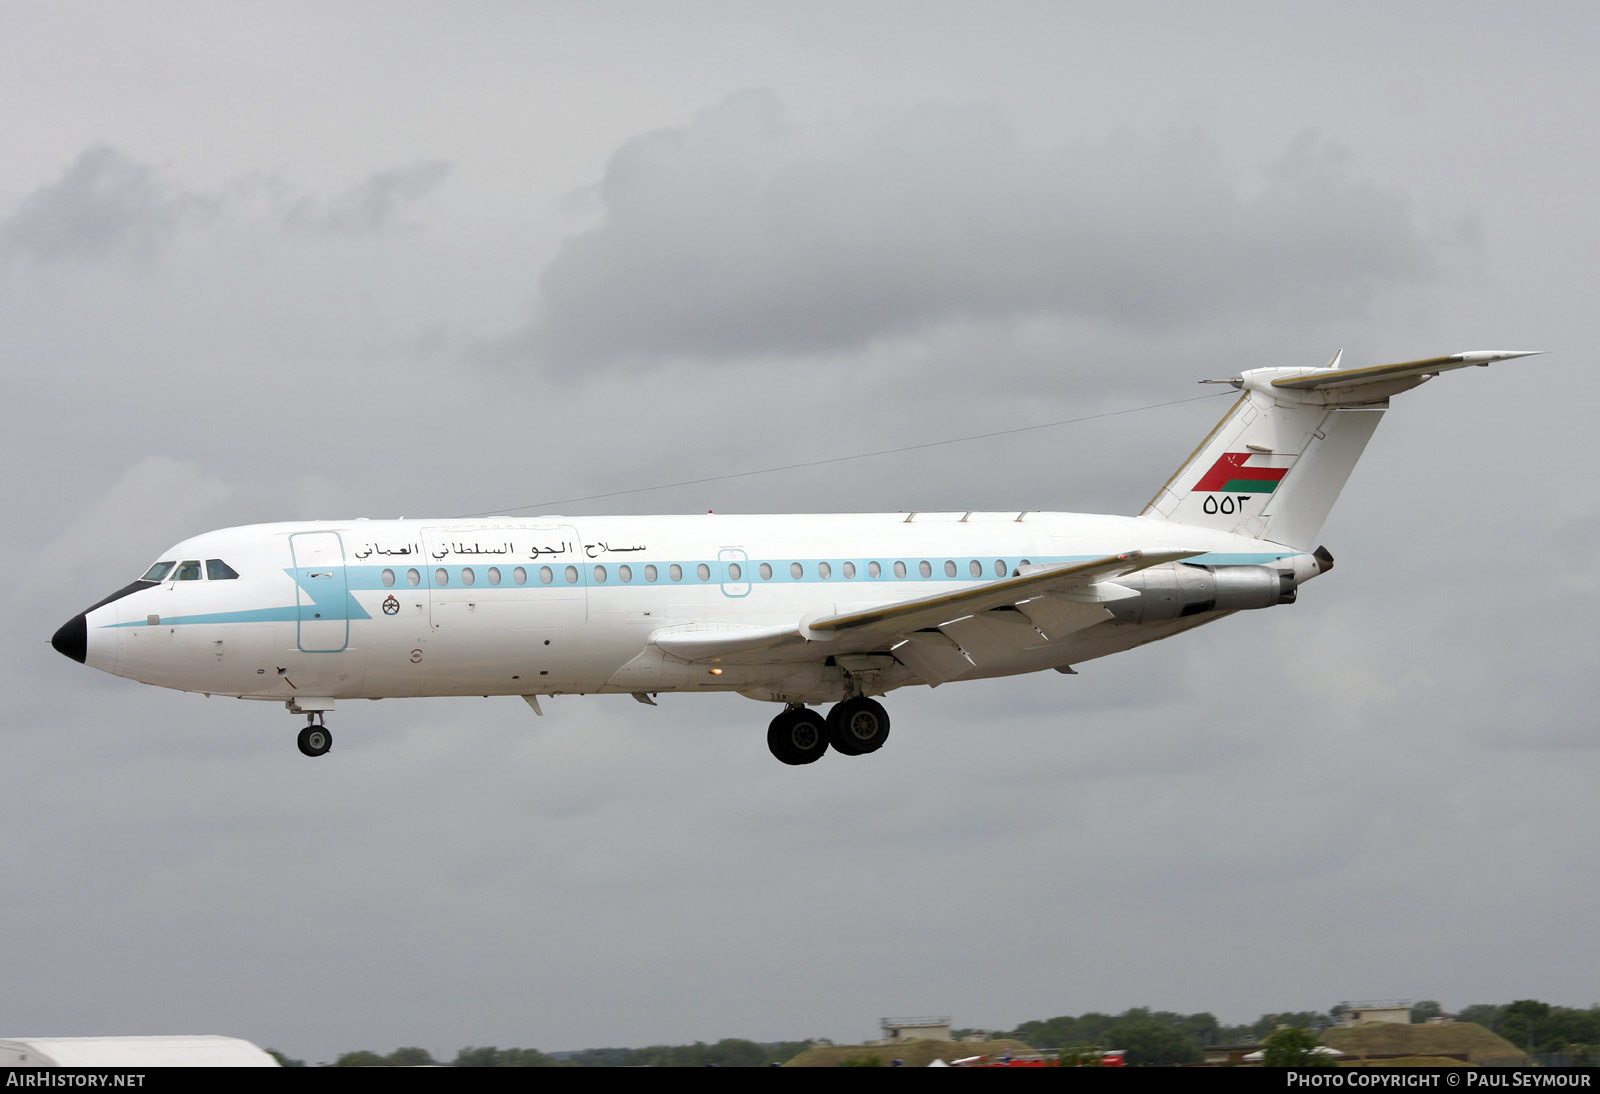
1274,466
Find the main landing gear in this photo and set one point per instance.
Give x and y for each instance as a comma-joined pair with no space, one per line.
854,727
314,740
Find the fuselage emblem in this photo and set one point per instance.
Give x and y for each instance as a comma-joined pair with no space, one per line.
391,606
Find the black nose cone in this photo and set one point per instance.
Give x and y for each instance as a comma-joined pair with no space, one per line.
72,639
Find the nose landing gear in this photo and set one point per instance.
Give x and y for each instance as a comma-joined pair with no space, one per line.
314,740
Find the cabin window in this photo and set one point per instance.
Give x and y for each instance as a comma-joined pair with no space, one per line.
188,570
924,568
766,571
218,570
874,570
441,577
999,567
546,575
675,572
572,575
467,576
388,578
158,572
520,576
494,575
413,577
703,572
899,569
849,569
650,573
796,571
949,568
735,571
599,575
976,567
624,574
824,571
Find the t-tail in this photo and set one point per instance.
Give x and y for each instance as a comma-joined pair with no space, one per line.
1274,466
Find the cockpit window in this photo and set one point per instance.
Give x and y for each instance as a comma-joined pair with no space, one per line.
218,570
188,570
158,572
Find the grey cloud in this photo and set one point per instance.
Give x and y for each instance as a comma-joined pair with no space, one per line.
745,233
108,204
105,205
373,206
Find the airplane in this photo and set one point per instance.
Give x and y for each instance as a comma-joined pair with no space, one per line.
796,610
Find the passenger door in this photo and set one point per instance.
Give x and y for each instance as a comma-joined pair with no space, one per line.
322,594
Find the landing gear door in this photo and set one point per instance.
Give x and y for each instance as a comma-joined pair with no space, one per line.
735,571
322,594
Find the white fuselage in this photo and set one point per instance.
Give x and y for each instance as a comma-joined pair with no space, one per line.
542,606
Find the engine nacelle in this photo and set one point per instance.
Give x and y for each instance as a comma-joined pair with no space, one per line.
1180,589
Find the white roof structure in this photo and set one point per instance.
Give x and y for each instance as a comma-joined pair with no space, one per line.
199,1051
1261,1054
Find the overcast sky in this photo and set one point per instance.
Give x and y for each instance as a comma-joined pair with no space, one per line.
319,261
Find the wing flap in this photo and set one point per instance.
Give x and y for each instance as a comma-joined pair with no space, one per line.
933,656
981,641
1056,616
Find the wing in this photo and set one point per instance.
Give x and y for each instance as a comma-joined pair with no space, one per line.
938,637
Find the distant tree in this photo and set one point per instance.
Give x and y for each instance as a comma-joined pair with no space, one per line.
284,1061
597,1057
1570,1030
1203,1028
1524,1024
400,1057
1487,1015
1304,1019
1423,1009
1294,1047
1080,1056
1151,1042
1042,1033
504,1057
730,1052
1094,1028
737,1052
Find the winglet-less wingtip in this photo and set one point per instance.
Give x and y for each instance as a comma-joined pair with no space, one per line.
1489,356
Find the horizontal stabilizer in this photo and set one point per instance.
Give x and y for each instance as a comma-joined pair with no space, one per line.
1323,378
1275,464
